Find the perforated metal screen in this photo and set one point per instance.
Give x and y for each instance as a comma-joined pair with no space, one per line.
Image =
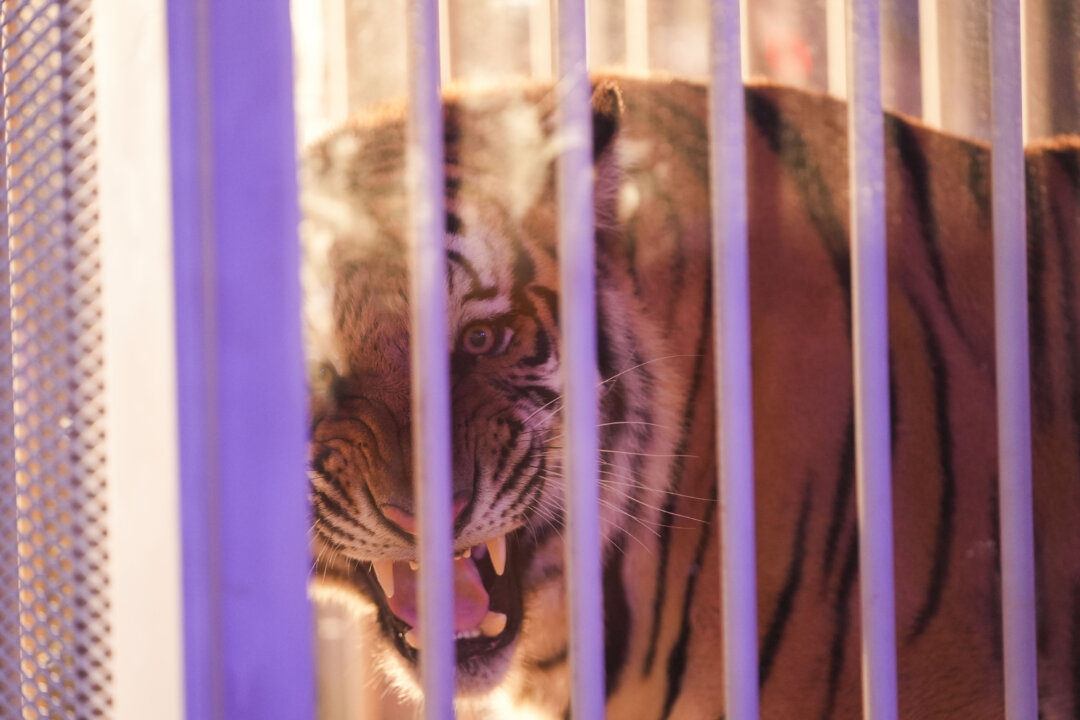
54,652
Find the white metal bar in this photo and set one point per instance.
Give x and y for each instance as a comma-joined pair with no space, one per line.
540,50
577,308
637,35
870,339
139,359
244,511
731,314
445,64
930,62
540,40
1025,74
744,38
1013,374
835,47
430,362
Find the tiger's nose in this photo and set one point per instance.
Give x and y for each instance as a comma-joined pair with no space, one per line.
407,521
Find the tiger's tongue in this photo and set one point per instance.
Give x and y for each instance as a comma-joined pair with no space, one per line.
471,600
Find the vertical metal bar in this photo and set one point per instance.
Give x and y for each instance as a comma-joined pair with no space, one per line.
1013,374
430,361
866,158
930,62
540,61
244,512
577,308
446,75
637,35
731,314
835,47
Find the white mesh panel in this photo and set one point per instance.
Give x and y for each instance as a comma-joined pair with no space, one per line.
55,655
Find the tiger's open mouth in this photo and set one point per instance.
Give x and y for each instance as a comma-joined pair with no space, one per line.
487,600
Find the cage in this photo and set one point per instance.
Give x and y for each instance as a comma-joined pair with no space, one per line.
168,170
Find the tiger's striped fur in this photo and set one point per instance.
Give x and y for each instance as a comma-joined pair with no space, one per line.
661,580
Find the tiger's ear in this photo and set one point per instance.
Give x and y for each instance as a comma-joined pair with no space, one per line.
607,109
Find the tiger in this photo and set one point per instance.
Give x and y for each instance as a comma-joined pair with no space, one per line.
656,396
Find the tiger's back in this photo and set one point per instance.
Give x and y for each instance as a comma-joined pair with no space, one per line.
661,579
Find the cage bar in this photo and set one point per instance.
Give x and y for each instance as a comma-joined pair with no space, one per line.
577,309
1013,374
432,454
244,512
731,315
870,340
930,62
637,35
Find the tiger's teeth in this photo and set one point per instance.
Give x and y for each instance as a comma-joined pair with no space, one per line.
384,573
413,565
493,623
497,550
413,639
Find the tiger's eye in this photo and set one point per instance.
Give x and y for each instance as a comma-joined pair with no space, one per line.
478,339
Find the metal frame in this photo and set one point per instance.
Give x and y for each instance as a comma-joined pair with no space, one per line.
870,343
577,309
1012,368
432,458
247,634
734,407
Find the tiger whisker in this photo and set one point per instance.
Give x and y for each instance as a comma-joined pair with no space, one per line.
560,436
631,452
612,379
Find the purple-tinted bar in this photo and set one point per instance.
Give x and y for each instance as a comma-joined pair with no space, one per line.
577,308
870,338
430,362
731,312
244,511
1013,378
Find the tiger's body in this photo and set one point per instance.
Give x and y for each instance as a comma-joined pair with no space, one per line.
661,563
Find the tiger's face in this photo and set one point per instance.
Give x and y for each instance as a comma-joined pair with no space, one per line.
504,385
502,288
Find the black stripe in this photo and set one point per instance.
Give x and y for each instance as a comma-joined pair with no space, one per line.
915,163
679,462
787,142
1041,377
676,665
454,226
617,617
534,481
841,623
539,395
979,176
785,601
943,537
332,479
479,290
330,511
841,504
508,446
515,474
1070,162
550,299
542,349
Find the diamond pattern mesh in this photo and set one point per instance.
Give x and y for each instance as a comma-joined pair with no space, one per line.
54,652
